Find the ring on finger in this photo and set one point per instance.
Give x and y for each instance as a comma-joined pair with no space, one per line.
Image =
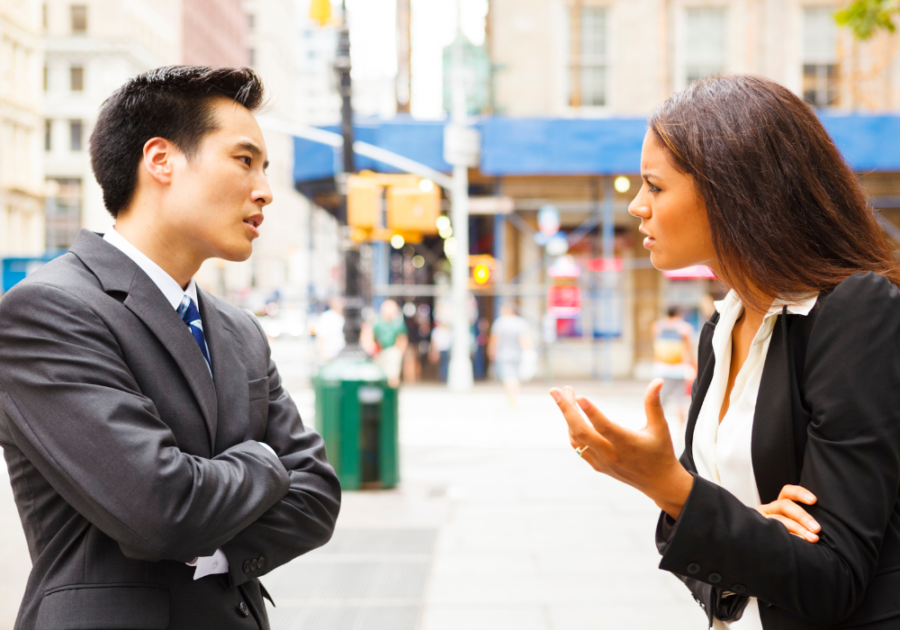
580,451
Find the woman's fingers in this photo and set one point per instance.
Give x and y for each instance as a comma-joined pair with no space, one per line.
794,527
601,423
798,494
656,418
580,432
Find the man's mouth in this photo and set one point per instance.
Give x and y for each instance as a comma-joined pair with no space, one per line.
255,220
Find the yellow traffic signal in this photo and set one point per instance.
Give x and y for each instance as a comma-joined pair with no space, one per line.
320,11
363,202
412,209
481,274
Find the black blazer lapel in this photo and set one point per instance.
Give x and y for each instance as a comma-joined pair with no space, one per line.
772,442
706,366
232,390
118,273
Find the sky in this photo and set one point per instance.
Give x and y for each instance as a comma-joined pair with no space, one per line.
434,24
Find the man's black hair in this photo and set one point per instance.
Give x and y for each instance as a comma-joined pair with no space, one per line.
173,102
673,311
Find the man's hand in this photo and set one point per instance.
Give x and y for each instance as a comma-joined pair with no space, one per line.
643,459
785,510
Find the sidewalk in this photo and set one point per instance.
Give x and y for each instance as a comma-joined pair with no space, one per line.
497,524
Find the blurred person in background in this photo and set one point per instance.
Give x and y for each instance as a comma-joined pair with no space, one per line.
673,361
783,513
412,368
387,340
441,342
510,339
480,360
330,330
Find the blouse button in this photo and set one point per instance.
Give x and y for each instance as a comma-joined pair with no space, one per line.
693,568
739,589
714,578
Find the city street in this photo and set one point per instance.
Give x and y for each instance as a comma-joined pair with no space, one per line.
496,524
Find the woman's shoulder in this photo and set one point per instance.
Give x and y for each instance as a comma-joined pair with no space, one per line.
862,292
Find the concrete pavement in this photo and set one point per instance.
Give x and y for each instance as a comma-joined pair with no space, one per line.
496,524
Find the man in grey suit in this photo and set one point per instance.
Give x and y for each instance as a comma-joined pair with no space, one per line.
158,465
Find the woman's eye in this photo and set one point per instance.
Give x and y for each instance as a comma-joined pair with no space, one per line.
653,188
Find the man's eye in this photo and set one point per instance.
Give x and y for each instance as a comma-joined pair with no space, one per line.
248,159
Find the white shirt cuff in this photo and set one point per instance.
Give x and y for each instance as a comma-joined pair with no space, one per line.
209,565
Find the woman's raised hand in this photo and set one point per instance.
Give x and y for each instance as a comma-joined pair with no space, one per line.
786,510
643,459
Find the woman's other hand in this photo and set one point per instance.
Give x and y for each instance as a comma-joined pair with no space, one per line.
643,459
786,510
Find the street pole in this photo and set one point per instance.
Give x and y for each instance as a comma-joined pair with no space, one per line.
353,298
460,376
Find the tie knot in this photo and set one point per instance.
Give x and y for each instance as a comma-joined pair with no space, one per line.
188,311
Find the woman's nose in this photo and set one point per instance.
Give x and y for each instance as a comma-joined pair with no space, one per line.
638,209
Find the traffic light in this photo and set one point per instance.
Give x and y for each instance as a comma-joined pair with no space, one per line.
482,266
320,11
414,208
363,202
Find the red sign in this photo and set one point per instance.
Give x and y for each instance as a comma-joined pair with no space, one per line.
599,264
564,301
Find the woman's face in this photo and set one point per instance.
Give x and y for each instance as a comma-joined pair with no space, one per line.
672,212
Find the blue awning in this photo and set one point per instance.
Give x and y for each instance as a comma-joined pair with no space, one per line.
555,146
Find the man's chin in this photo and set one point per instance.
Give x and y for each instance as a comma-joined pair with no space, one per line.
236,254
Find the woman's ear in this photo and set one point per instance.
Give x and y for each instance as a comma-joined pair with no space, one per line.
158,160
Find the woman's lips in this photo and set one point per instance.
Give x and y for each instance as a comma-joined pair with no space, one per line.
649,242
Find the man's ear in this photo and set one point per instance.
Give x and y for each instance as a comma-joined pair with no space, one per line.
159,159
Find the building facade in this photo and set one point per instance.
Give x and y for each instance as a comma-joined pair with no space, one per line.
92,47
21,128
215,33
611,59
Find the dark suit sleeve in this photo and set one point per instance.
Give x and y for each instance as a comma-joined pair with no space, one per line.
76,412
305,517
851,464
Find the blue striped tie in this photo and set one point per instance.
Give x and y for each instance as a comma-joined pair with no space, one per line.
191,316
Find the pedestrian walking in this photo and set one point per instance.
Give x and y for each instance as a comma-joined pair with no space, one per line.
439,352
330,331
159,467
389,338
673,361
510,339
783,512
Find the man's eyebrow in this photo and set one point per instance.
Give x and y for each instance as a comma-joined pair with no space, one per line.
252,148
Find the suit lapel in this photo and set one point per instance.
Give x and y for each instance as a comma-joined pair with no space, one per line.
117,272
704,378
232,393
772,442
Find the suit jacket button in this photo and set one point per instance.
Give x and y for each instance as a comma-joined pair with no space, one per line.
261,562
739,589
243,610
693,568
714,578
247,567
254,564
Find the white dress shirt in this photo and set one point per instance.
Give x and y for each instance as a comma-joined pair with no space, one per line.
722,451
216,563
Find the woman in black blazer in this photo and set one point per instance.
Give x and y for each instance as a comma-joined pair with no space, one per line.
740,175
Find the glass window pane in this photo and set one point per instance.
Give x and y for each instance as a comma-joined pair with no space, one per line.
48,135
75,135
76,78
79,18
593,86
705,43
593,34
819,35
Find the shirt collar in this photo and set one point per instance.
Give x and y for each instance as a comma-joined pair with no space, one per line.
166,283
796,304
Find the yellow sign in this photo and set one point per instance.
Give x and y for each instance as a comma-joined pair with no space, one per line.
481,274
320,11
381,206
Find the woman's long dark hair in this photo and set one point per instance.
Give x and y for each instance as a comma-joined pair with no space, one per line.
787,214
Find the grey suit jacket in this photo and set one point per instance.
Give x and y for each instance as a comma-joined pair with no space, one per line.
127,460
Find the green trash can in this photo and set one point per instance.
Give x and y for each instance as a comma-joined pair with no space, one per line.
356,414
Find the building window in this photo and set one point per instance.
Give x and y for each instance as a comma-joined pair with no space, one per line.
63,212
76,78
705,45
820,68
44,16
588,65
48,135
251,57
79,18
251,21
46,78
75,135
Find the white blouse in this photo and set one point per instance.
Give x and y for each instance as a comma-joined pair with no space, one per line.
722,451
